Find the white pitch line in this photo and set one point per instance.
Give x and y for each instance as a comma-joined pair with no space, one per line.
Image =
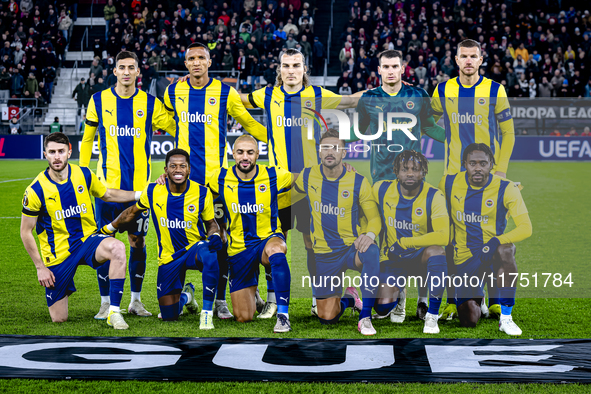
10,217
15,180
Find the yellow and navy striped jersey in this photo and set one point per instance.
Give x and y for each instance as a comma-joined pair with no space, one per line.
125,126
251,205
479,214
64,211
474,114
201,116
415,222
178,217
336,206
289,115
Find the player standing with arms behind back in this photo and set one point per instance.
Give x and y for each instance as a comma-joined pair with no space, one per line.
475,109
200,106
125,118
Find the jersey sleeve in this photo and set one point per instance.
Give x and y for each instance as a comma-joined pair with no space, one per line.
257,98
299,184
370,208
436,104
144,202
92,122
32,204
330,100
439,223
516,207
284,178
503,114
439,206
162,119
208,212
213,182
238,111
167,102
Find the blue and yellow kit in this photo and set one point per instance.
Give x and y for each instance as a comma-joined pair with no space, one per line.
64,211
201,117
125,126
414,223
474,114
251,205
178,217
479,214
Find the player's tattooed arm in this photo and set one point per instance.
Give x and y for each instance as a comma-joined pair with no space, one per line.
44,275
212,227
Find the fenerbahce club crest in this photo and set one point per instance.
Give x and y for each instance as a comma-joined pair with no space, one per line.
191,208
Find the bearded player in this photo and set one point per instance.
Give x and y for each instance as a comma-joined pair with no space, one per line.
125,118
475,109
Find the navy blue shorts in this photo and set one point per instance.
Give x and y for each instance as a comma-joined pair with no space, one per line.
171,276
82,254
106,212
244,266
469,271
402,267
329,265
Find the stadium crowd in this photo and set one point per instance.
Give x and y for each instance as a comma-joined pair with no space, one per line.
242,35
540,51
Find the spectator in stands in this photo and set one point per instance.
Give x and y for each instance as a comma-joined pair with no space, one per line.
318,55
109,11
96,68
41,104
56,126
98,48
557,80
586,132
555,133
4,79
82,95
17,83
64,23
588,89
18,54
15,127
99,86
572,133
31,86
49,76
545,89
345,89
565,90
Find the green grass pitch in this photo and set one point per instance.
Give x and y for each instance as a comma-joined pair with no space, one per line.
556,195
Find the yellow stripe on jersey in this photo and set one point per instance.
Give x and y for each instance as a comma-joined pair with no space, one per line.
479,214
125,126
64,211
178,218
336,206
251,205
201,116
474,114
416,222
290,120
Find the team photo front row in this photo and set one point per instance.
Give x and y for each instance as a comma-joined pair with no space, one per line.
386,232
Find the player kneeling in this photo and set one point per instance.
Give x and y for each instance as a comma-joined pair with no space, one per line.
416,225
478,203
58,204
180,209
249,193
337,199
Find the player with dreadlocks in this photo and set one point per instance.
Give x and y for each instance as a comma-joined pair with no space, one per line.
415,230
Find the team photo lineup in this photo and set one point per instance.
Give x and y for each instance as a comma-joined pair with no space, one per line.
230,220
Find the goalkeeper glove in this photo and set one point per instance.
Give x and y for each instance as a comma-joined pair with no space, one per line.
107,230
489,249
394,251
215,242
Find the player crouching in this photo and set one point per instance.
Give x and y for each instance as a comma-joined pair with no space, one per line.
416,227
188,238
58,204
478,202
337,199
